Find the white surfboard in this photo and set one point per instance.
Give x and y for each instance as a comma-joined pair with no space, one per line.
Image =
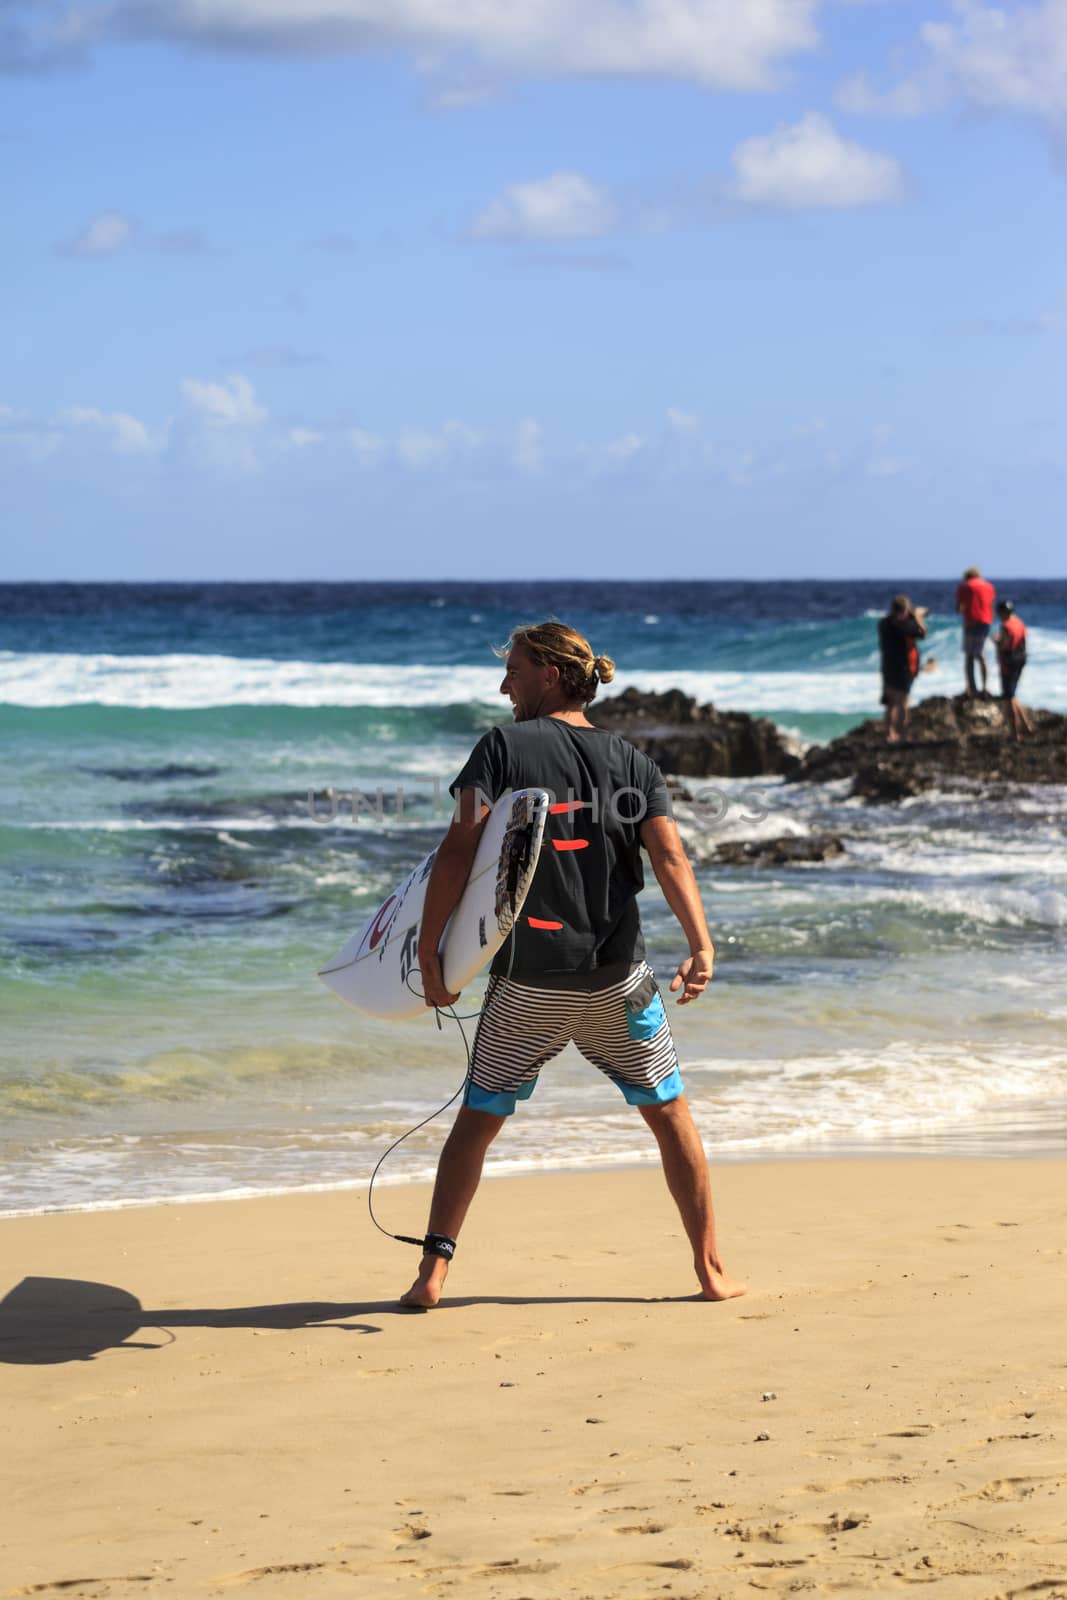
377,971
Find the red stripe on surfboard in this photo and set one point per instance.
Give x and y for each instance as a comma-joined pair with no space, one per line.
570,844
566,805
535,922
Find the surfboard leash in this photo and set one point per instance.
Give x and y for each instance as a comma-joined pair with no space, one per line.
431,1244
434,1244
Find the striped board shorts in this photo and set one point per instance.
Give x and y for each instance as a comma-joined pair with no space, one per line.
622,1029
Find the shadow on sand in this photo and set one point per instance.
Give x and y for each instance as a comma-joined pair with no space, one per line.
44,1321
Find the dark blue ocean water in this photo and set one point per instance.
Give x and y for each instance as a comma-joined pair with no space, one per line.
701,625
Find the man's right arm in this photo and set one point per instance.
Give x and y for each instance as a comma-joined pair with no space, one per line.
675,876
448,879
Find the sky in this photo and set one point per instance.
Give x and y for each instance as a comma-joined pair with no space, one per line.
516,288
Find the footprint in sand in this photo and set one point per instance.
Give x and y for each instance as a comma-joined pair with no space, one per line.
1016,1488
275,1570
410,1533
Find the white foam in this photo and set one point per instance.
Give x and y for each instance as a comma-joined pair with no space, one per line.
902,1087
1038,904
748,1108
192,682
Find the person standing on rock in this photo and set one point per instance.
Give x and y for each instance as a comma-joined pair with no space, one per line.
1010,645
974,602
898,634
573,968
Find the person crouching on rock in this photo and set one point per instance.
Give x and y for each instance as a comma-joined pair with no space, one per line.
898,634
1010,642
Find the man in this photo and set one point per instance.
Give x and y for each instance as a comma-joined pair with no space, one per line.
573,967
974,602
1010,644
898,633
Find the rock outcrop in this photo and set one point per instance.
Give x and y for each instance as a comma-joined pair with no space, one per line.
952,743
696,741
785,851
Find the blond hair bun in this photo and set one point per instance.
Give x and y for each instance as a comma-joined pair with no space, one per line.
552,643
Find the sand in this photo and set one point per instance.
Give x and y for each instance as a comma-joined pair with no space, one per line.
206,1399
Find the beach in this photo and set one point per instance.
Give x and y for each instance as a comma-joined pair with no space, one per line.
208,1398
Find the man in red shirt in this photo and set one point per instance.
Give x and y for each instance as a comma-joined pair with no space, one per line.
974,602
1011,654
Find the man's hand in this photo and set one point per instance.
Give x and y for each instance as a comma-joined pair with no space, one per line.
694,974
433,983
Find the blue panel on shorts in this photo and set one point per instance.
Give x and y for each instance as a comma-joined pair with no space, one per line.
498,1105
669,1089
647,1023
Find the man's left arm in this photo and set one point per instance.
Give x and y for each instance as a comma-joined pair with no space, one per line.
448,879
676,878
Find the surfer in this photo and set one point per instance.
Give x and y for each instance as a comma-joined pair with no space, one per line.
574,969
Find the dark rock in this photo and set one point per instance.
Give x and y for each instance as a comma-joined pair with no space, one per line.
692,740
164,774
880,785
678,790
952,743
784,851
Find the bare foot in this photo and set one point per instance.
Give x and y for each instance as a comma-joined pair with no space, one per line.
425,1292
717,1284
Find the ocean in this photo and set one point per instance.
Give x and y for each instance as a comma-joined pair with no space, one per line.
173,870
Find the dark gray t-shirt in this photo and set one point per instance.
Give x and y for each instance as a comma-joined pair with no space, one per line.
580,915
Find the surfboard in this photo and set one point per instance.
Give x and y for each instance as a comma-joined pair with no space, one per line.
377,970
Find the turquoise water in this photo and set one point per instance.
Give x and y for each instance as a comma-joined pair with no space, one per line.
169,885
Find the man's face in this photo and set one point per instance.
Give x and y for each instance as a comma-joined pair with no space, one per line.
525,683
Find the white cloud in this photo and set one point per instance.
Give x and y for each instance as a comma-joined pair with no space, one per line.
741,470
807,164
529,446
418,448
231,403
991,57
460,435
1005,60
128,436
682,421
104,235
720,44
26,438
881,463
369,448
222,429
301,438
909,98
624,448
564,205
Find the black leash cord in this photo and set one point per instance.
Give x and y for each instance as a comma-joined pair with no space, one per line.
451,1012
403,1238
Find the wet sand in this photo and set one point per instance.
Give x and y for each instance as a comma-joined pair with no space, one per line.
204,1399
